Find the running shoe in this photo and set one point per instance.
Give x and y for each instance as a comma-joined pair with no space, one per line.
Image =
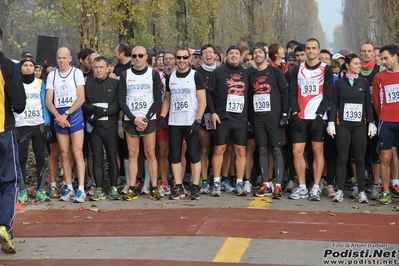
125,189
53,193
22,195
375,192
385,198
113,193
339,196
352,182
68,194
298,193
291,185
226,186
395,191
257,183
177,193
7,243
330,191
91,191
265,190
41,195
145,190
131,194
205,187
277,192
216,190
247,187
363,198
194,195
164,190
315,194
240,190
80,197
155,195
98,195
355,192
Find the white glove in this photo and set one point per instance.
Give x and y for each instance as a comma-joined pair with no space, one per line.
331,129
372,130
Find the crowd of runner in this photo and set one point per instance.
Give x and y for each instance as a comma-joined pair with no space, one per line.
258,121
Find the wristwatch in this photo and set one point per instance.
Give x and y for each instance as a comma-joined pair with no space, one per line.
67,113
198,121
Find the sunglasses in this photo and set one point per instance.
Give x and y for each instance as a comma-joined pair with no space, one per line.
185,57
138,55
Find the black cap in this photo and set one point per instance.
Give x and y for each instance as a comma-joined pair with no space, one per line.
233,47
197,52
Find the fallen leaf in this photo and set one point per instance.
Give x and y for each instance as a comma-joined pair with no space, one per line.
331,214
393,223
366,211
298,204
94,205
283,232
76,217
89,218
99,249
46,258
25,223
355,207
322,230
20,241
38,222
303,213
374,204
183,218
40,250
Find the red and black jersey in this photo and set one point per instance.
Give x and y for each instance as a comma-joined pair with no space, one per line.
268,81
229,86
386,95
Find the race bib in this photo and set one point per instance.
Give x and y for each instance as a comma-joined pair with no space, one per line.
392,93
32,111
235,103
64,99
138,102
208,121
102,105
309,86
179,102
262,102
353,112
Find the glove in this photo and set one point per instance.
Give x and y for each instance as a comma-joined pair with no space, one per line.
162,123
331,129
317,124
299,125
120,130
194,129
47,133
99,112
372,130
284,120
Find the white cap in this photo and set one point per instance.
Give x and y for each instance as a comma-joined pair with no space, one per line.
338,55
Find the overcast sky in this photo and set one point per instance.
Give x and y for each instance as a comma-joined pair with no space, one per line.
330,16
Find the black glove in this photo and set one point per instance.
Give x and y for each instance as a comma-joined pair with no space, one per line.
194,128
162,123
299,125
317,124
47,133
99,112
284,120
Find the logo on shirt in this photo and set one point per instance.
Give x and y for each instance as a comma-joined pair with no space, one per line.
235,85
261,87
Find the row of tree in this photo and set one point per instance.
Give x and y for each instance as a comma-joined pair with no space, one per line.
156,24
374,21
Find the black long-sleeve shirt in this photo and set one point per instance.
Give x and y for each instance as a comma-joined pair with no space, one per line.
12,93
344,93
102,91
